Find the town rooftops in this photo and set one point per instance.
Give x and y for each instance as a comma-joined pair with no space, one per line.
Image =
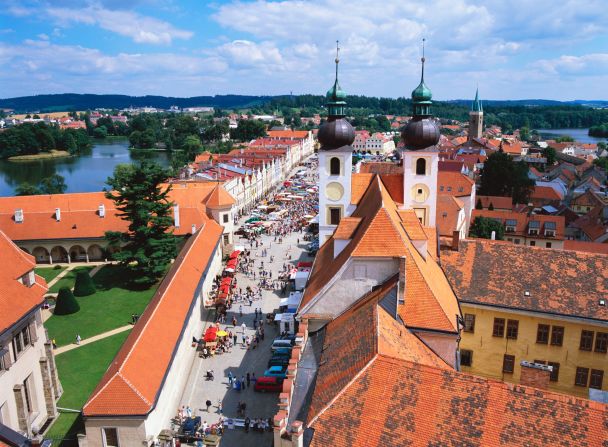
454,183
219,199
134,379
16,298
497,202
297,134
448,210
526,225
557,282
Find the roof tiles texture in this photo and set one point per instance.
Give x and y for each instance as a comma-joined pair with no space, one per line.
557,281
131,384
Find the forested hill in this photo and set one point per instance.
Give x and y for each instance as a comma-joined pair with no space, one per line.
533,113
73,101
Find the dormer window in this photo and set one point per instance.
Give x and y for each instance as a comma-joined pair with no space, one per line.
534,228
550,229
511,225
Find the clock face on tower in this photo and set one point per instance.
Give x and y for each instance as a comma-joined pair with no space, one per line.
334,191
419,193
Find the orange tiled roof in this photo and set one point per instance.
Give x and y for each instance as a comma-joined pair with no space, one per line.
17,299
132,383
359,184
498,202
288,134
395,403
545,192
590,247
551,278
354,338
523,221
448,210
381,167
454,183
347,227
219,198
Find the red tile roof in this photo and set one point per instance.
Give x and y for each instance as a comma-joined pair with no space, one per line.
219,198
448,210
523,220
498,203
589,247
298,134
558,282
454,183
17,299
395,403
132,383
545,193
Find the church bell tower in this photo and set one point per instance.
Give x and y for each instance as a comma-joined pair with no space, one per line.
420,156
476,118
335,162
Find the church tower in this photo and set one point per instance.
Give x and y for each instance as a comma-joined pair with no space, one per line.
420,156
335,162
476,118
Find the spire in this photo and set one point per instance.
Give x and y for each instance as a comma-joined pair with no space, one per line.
477,106
422,60
421,96
336,96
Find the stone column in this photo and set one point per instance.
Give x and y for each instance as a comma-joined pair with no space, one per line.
47,386
22,413
297,434
50,356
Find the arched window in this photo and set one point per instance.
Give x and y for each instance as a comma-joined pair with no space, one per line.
421,166
334,166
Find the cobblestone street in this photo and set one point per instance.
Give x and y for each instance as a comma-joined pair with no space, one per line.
240,360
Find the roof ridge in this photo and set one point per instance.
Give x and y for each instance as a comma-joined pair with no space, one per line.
135,390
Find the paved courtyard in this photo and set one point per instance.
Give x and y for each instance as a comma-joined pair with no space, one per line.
239,360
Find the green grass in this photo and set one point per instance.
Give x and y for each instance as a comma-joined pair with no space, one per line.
49,273
69,279
108,308
80,370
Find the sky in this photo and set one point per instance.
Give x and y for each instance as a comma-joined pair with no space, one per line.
515,49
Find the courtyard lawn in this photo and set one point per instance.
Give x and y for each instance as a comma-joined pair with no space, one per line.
69,278
108,308
49,273
80,370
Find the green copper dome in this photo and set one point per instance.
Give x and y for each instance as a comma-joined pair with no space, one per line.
336,93
421,93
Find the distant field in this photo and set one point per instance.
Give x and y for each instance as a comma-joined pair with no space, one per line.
52,115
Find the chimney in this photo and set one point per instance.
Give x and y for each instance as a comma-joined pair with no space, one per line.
455,240
536,375
58,214
193,228
176,216
102,210
19,216
493,236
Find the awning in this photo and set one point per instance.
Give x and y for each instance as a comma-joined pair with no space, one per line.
235,254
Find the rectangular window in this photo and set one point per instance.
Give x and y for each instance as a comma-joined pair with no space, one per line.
110,437
555,373
508,363
25,333
469,322
225,218
548,244
334,216
596,379
466,357
226,239
586,340
512,329
499,327
582,376
601,342
542,334
557,335
532,243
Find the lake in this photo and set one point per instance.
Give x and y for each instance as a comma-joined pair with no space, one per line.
84,173
579,135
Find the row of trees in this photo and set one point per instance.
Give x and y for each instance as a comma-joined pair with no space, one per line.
600,130
31,139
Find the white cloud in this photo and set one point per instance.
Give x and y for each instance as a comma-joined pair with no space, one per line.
140,28
586,65
43,36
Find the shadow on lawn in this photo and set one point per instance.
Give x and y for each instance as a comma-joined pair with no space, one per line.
70,439
117,277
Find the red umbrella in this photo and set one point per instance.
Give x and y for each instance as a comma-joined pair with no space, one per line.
235,254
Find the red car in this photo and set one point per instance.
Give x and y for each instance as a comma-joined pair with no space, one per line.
264,384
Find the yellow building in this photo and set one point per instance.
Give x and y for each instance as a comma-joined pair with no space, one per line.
533,304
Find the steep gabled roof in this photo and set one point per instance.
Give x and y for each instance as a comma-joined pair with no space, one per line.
132,383
219,199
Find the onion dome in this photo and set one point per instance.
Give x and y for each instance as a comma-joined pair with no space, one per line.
422,130
336,132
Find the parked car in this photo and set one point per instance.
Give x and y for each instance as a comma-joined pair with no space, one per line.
188,429
278,361
274,384
276,371
282,351
290,337
281,344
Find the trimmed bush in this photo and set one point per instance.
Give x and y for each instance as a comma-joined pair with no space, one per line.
66,303
84,285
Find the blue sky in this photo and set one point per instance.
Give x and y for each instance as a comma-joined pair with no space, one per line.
512,49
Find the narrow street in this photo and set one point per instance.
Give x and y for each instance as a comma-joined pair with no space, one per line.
240,361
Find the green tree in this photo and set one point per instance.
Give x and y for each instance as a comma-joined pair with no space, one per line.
524,133
601,162
100,132
478,205
66,304
26,189
248,130
70,143
192,146
564,139
54,184
149,245
483,226
501,176
549,154
84,285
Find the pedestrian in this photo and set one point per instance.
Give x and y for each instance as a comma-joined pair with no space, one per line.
208,403
243,381
243,326
250,302
255,324
244,339
253,378
188,412
234,321
230,377
241,310
219,406
248,380
78,339
234,339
